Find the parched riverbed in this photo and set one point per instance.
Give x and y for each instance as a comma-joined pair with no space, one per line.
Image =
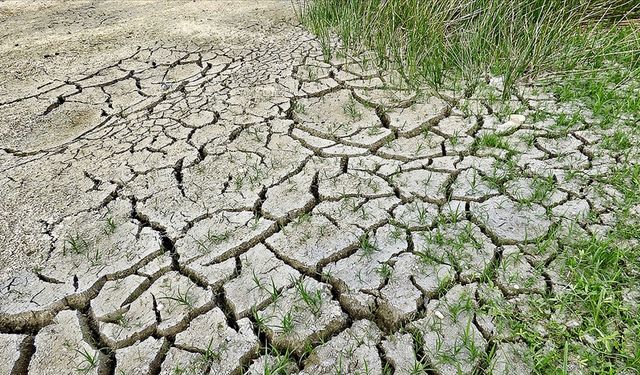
191,188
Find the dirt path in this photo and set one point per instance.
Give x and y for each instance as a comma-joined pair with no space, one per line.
187,186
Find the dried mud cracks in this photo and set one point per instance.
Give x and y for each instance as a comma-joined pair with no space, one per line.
218,206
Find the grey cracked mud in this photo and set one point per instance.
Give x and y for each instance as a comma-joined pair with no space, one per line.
205,207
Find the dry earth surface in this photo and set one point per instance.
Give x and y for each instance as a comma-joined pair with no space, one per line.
189,187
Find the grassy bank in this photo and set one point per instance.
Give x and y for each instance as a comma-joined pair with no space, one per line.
446,41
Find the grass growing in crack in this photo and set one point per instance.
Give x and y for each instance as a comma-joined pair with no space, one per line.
280,363
95,257
422,213
301,219
239,181
417,369
88,362
350,108
77,244
195,366
366,246
492,140
211,239
397,232
272,290
542,187
111,225
312,74
463,305
375,130
384,270
210,354
313,299
299,108
186,298
260,321
286,324
122,320
468,342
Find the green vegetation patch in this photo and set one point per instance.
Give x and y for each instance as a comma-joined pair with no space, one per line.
451,42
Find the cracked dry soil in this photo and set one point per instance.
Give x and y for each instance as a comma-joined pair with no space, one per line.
189,187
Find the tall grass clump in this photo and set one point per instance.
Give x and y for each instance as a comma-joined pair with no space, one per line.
442,41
